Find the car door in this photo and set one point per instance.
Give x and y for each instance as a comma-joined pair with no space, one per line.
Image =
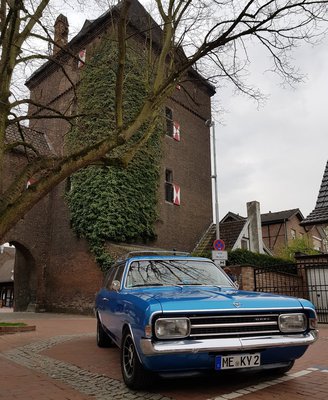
103,297
113,304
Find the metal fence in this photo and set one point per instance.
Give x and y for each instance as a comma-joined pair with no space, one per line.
307,281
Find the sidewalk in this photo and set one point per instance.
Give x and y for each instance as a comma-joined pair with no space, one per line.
60,360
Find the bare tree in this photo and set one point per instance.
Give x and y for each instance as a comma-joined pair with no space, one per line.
212,32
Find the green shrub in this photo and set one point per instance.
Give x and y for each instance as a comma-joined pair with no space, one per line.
246,257
297,245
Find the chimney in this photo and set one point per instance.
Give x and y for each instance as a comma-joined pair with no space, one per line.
255,227
61,33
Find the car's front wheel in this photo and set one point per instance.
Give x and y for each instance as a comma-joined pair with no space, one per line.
134,374
103,340
285,369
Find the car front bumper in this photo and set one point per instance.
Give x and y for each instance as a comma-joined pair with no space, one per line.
149,347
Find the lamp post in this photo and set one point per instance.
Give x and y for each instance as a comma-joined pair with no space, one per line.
211,124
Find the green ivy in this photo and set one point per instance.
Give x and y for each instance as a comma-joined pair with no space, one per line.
113,203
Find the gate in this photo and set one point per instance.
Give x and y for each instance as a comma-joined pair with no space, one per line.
308,281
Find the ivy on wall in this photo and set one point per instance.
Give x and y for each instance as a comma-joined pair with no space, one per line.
113,203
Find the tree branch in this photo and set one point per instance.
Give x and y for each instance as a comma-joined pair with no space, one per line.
121,63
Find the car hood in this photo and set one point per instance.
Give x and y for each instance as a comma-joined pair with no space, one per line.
188,298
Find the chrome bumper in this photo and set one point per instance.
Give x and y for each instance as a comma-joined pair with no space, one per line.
150,348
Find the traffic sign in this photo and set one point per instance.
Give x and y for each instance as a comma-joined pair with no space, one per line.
219,255
219,244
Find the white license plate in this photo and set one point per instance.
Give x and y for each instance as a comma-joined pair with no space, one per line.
238,361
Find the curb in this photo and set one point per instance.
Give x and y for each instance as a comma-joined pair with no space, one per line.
4,330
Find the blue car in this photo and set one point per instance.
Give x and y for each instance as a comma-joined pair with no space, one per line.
176,314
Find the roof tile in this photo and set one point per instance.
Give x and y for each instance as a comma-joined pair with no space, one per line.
320,213
279,216
31,137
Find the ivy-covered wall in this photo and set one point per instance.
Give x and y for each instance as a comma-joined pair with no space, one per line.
113,203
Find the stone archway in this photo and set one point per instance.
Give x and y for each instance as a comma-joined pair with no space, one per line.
7,261
25,278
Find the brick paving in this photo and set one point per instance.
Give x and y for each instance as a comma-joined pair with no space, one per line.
17,382
60,360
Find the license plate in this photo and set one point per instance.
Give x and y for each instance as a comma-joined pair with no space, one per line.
238,361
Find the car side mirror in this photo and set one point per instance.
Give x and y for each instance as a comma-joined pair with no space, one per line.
116,285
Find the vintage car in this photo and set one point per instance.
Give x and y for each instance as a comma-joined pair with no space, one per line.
177,314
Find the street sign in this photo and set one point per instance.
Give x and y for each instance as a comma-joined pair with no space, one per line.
219,245
219,255
220,263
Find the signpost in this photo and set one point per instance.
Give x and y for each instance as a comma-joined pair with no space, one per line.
218,254
219,245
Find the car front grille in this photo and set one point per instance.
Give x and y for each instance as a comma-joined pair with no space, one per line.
233,325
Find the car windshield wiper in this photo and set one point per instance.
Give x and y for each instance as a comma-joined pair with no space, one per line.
202,284
191,284
186,283
147,284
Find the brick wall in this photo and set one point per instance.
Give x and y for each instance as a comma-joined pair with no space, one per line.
267,280
244,276
54,268
181,227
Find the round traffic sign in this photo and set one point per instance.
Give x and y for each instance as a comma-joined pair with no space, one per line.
219,244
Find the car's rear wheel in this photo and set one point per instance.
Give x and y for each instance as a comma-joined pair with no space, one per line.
103,340
134,374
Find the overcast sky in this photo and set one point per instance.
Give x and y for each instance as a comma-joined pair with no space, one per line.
275,154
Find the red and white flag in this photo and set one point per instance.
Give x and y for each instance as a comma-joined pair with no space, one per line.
82,55
176,194
176,131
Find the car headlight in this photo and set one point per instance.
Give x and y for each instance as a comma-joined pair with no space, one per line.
292,322
169,328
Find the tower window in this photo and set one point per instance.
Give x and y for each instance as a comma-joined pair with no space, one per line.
169,185
169,121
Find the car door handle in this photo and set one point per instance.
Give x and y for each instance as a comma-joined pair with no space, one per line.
105,299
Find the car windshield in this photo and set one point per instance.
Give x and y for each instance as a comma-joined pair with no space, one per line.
175,272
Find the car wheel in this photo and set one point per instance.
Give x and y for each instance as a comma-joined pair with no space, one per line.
134,374
284,370
103,340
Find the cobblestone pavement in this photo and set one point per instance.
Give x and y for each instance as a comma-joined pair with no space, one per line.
61,361
92,384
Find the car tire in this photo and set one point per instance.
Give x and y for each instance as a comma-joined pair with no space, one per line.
134,374
284,370
103,340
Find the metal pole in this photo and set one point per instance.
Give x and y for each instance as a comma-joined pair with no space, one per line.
215,177
211,124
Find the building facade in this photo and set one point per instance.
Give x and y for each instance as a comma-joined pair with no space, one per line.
7,262
54,269
281,228
267,233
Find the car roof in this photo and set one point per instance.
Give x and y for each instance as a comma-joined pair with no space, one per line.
159,257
